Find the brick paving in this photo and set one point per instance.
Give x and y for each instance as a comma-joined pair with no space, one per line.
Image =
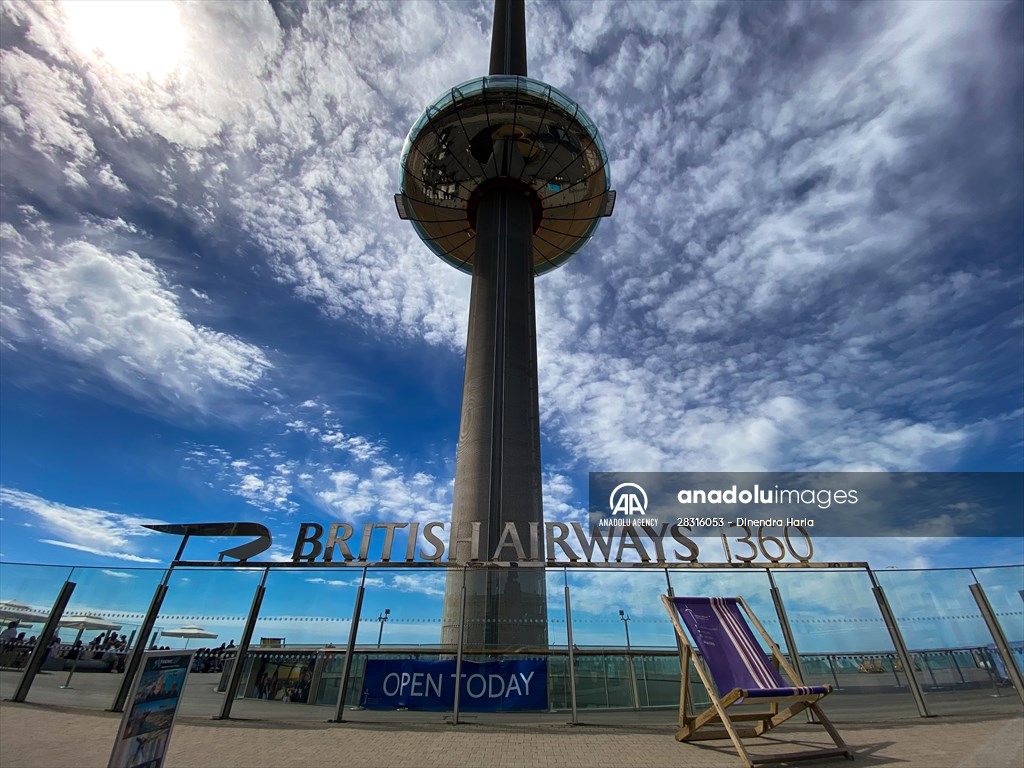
38,736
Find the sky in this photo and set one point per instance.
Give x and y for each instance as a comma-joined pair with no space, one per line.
211,310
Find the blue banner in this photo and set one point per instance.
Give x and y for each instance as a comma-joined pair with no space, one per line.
495,686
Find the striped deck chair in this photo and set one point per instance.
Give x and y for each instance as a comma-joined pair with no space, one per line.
735,670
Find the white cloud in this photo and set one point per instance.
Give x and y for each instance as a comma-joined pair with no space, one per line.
387,493
430,584
97,531
100,552
768,292
114,312
119,574
371,581
783,284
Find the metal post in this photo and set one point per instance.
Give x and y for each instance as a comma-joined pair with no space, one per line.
318,672
572,649
382,617
346,667
832,668
629,662
956,666
35,661
787,635
604,666
458,652
986,663
243,649
135,660
1002,647
931,672
647,689
901,647
78,655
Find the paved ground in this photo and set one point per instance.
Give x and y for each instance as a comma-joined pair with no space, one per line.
38,736
69,728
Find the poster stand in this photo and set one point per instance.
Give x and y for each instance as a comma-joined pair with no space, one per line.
152,708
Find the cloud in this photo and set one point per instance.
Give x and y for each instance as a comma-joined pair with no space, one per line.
387,493
344,476
799,302
100,552
814,262
119,574
430,584
114,312
371,581
96,531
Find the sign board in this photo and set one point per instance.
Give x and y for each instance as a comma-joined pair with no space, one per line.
152,707
495,686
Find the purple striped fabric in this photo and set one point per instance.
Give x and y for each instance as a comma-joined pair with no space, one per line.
806,690
732,654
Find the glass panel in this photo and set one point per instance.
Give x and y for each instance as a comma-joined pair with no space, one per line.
304,620
299,641
97,631
1004,588
842,638
400,619
199,602
27,593
617,614
947,636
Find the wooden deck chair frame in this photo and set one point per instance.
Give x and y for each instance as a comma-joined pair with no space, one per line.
703,726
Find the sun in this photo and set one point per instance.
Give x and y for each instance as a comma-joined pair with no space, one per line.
144,38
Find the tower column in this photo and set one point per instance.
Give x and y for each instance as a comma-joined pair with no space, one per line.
504,178
497,476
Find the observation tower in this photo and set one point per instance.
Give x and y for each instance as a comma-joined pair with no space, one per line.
505,178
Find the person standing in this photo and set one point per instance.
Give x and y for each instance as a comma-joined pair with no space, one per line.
9,634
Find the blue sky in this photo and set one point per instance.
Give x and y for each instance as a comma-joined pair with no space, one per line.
211,310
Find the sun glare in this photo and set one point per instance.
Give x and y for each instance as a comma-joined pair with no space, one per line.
138,37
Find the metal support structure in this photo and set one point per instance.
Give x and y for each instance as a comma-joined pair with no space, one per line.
572,649
901,647
960,672
832,669
1002,646
135,660
243,649
382,618
42,649
629,662
787,635
350,647
458,653
319,663
78,654
647,689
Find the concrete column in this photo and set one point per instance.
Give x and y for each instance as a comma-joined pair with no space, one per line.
497,477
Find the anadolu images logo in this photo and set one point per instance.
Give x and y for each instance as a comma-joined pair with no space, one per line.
628,498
